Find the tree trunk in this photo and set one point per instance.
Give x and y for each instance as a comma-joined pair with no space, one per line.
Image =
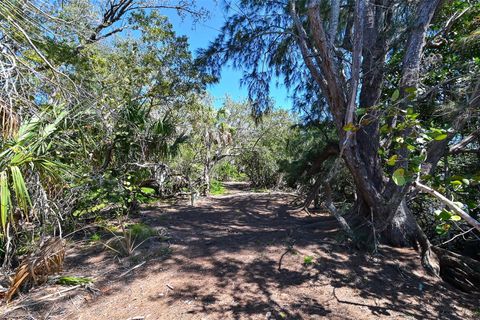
399,232
379,199
402,230
206,178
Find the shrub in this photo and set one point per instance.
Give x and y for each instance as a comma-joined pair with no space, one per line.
216,188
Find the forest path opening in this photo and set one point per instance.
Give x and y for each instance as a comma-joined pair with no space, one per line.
224,264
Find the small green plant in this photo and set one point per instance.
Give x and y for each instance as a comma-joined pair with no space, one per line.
95,237
308,260
73,281
216,188
130,239
142,232
123,245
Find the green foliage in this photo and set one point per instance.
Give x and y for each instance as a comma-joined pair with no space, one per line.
308,260
216,188
260,167
227,171
73,281
399,177
95,237
110,107
127,238
141,232
29,150
123,244
268,149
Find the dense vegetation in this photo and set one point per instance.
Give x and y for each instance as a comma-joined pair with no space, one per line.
103,107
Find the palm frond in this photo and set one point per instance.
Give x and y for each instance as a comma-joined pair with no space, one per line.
20,188
4,199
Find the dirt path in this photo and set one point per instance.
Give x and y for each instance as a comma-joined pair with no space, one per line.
224,265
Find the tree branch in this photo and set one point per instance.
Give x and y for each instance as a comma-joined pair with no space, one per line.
356,61
334,15
304,48
460,146
334,94
465,216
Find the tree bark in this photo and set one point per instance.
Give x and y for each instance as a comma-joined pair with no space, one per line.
334,16
396,224
377,194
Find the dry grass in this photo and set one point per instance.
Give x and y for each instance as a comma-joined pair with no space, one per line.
35,269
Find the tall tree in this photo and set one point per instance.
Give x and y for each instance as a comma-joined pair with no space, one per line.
344,71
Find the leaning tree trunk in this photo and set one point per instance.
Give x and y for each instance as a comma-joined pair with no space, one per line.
378,197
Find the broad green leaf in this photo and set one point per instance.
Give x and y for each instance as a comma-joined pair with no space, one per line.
395,95
444,215
399,177
147,190
4,199
21,192
392,160
385,128
441,137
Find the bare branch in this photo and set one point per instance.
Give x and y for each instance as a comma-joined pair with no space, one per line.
446,28
334,94
304,48
460,146
356,62
454,207
334,15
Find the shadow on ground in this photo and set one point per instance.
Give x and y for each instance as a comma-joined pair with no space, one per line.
225,264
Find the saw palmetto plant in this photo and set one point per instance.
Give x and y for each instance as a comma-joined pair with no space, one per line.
26,154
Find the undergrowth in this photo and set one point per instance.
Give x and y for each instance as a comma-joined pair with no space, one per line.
217,188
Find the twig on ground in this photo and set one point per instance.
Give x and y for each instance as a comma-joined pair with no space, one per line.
42,299
131,269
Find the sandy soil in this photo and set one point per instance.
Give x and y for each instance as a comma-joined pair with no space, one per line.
224,264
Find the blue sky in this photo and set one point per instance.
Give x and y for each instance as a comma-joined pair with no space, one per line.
200,34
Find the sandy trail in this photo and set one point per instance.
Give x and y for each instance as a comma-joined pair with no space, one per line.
224,265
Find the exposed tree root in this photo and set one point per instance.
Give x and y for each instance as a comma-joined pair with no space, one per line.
461,271
429,259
